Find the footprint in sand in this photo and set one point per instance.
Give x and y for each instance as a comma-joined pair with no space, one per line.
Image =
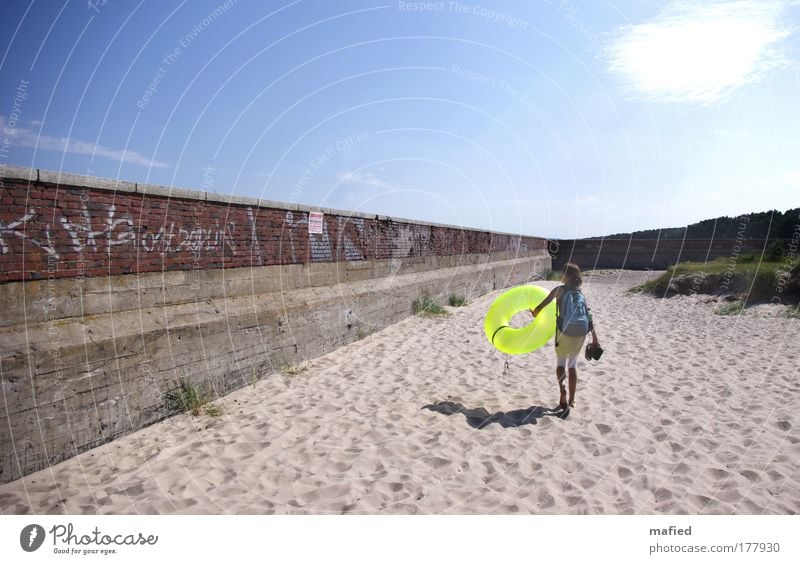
604,429
7,500
700,502
718,473
332,492
437,462
750,475
624,473
535,467
134,490
545,500
574,500
341,466
775,476
662,494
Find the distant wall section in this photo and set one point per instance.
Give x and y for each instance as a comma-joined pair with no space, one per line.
643,254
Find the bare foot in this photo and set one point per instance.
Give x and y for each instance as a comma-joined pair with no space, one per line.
572,403
562,403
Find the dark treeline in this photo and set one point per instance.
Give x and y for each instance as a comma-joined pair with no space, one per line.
770,225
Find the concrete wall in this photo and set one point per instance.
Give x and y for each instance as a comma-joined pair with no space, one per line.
642,254
113,292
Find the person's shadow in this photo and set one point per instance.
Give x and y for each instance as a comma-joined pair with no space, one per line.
479,417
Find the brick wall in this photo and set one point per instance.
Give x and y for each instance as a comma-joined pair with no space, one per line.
58,226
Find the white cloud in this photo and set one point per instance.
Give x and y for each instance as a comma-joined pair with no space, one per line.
700,51
367,179
29,138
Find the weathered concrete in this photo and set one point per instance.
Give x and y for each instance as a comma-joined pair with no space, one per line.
73,383
42,300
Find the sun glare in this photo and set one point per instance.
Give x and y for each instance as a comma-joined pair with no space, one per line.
700,53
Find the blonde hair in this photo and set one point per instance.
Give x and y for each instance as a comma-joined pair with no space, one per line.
572,275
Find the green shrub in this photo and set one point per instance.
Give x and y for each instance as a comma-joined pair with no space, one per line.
733,308
456,300
426,305
554,276
751,281
774,251
788,278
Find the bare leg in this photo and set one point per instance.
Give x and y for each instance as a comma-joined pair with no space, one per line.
573,383
562,402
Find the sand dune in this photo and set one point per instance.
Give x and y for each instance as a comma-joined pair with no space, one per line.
687,412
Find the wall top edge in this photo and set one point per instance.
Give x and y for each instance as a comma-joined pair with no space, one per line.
662,240
42,176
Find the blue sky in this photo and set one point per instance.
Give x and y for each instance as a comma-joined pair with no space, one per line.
555,118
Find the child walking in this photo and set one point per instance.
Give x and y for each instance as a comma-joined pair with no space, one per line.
573,322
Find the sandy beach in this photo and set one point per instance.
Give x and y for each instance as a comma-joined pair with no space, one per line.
687,412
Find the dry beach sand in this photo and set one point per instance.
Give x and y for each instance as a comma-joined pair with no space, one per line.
687,412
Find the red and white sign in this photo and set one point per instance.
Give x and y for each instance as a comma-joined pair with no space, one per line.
315,222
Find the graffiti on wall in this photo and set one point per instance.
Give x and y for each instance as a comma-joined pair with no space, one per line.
17,229
92,234
117,230
321,244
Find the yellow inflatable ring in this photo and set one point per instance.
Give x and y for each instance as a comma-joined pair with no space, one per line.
525,339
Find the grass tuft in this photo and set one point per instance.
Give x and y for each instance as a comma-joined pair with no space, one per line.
427,306
456,300
733,308
187,398
292,369
213,410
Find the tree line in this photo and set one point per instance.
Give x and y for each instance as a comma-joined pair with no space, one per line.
772,224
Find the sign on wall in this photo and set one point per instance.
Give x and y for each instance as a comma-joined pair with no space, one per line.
315,222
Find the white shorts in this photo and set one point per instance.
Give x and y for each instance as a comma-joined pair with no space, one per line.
567,350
